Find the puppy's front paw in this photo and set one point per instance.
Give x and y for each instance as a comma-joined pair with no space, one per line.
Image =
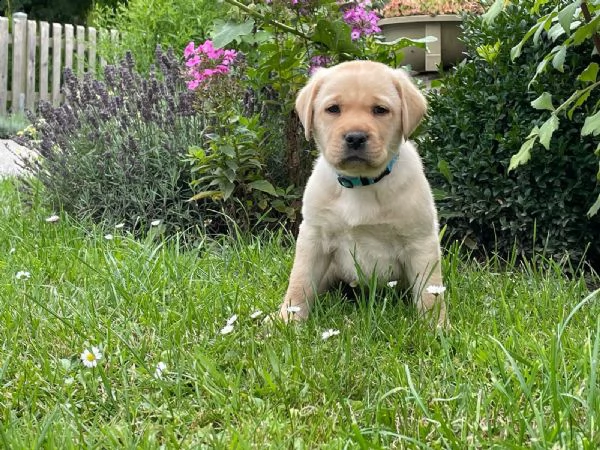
295,312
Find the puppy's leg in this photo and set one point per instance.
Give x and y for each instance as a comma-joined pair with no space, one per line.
423,269
308,277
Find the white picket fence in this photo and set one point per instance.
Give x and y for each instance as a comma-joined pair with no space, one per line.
39,53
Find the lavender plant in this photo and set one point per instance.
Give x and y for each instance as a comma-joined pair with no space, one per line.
115,150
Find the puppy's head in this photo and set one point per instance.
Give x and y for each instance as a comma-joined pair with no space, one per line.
359,112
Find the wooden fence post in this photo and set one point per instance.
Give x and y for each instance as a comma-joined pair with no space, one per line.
30,78
56,62
19,67
44,46
3,65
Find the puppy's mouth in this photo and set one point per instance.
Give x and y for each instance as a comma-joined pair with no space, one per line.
356,165
354,159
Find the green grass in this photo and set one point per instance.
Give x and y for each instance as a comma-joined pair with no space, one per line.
518,369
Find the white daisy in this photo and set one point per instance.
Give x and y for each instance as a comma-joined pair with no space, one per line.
155,223
119,225
91,358
435,290
108,237
22,275
53,218
226,329
160,368
256,314
232,319
392,284
328,333
12,250
293,309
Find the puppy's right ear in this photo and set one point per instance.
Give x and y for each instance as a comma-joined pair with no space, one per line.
305,100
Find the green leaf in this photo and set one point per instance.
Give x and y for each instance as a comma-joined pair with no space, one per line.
584,94
227,150
335,36
264,186
524,154
589,74
493,12
555,31
559,59
547,129
515,52
444,169
402,42
227,189
542,25
565,16
544,101
227,32
591,125
595,208
206,194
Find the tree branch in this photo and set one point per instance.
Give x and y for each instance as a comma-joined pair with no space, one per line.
588,18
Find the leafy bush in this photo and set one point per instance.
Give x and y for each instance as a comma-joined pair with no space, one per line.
257,156
143,25
115,150
480,117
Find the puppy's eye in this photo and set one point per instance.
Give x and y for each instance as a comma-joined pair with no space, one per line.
333,109
380,110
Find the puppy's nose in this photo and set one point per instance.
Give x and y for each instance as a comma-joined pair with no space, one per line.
356,140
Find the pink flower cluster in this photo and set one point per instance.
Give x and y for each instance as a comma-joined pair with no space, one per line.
362,21
206,61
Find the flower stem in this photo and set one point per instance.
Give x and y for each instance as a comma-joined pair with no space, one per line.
275,23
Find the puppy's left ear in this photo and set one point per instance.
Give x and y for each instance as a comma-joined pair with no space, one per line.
414,105
306,98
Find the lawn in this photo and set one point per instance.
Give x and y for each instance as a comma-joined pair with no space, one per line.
518,369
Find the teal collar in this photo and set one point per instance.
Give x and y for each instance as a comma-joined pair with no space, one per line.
352,182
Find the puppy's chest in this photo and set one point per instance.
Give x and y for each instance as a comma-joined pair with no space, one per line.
367,234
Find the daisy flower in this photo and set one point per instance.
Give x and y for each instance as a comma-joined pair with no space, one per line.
392,284
12,250
232,319
155,223
22,275
256,314
435,290
53,218
293,309
226,329
91,358
119,225
329,333
160,368
108,237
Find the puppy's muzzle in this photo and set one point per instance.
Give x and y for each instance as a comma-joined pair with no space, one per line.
355,146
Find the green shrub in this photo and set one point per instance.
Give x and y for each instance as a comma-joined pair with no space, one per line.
115,151
480,117
143,25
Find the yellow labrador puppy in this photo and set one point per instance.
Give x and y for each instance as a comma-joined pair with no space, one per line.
367,203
